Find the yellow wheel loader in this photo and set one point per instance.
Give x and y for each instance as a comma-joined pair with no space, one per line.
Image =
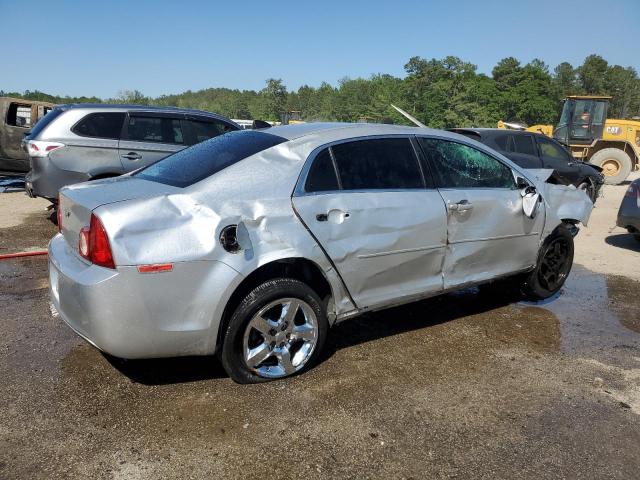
613,145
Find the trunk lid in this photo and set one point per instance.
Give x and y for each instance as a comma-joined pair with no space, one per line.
76,202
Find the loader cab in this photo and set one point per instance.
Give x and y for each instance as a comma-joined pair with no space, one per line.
582,120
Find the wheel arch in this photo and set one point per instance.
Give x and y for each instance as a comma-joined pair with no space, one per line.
297,268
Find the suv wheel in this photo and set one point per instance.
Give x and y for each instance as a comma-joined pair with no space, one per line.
278,330
555,260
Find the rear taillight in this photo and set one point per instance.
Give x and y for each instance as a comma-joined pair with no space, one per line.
38,148
93,244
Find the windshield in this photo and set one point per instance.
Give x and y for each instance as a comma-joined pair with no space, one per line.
561,132
566,113
200,161
44,121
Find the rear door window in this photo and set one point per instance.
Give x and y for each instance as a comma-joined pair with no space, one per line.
322,174
100,125
200,161
204,130
523,144
386,163
455,165
154,129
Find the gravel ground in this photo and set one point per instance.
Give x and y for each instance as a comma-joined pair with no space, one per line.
468,385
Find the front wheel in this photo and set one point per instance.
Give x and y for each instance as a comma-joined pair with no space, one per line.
278,330
555,260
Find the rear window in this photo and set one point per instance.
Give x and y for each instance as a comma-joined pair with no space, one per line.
45,121
200,161
100,125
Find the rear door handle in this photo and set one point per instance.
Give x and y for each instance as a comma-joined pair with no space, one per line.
132,156
336,216
461,206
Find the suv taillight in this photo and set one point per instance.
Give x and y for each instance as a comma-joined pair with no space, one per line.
94,244
38,148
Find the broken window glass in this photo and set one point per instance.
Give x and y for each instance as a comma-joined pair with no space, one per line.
459,166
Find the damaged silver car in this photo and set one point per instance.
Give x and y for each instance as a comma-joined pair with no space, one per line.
252,244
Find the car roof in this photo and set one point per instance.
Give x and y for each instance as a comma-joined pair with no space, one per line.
489,132
327,131
145,108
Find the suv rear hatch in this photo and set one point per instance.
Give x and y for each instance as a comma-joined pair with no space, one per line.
78,201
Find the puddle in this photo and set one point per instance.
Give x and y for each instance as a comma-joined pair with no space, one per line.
596,312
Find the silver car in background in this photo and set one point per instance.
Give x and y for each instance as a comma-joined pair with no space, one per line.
252,244
81,142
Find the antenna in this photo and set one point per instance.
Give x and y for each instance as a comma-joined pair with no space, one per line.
409,117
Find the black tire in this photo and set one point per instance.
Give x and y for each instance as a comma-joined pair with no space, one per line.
555,260
637,237
613,156
232,355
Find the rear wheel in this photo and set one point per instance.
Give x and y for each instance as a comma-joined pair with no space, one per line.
615,163
278,330
555,260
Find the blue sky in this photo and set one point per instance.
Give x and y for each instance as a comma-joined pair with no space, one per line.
98,48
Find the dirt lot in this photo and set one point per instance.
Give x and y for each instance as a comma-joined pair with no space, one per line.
469,385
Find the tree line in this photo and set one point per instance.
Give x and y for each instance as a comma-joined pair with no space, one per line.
442,93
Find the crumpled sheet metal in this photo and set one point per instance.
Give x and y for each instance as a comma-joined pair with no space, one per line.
186,226
186,223
567,203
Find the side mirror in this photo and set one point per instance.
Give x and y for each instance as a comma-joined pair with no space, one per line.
521,183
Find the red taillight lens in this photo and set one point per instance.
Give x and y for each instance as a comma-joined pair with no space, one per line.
94,244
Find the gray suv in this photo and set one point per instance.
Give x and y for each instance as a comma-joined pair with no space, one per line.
80,142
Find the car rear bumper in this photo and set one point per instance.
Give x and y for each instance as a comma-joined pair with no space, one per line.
134,315
45,179
630,223
629,213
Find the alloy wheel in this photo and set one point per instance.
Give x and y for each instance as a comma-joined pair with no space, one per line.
280,338
555,264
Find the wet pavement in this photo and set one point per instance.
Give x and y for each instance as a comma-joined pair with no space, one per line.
469,385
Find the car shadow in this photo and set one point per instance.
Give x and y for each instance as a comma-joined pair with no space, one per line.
623,240
167,371
418,315
365,328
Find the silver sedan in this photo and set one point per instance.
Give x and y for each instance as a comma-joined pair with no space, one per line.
252,244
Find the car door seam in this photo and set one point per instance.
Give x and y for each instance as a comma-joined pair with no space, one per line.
326,254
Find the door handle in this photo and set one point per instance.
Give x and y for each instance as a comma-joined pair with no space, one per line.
461,206
132,156
336,216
